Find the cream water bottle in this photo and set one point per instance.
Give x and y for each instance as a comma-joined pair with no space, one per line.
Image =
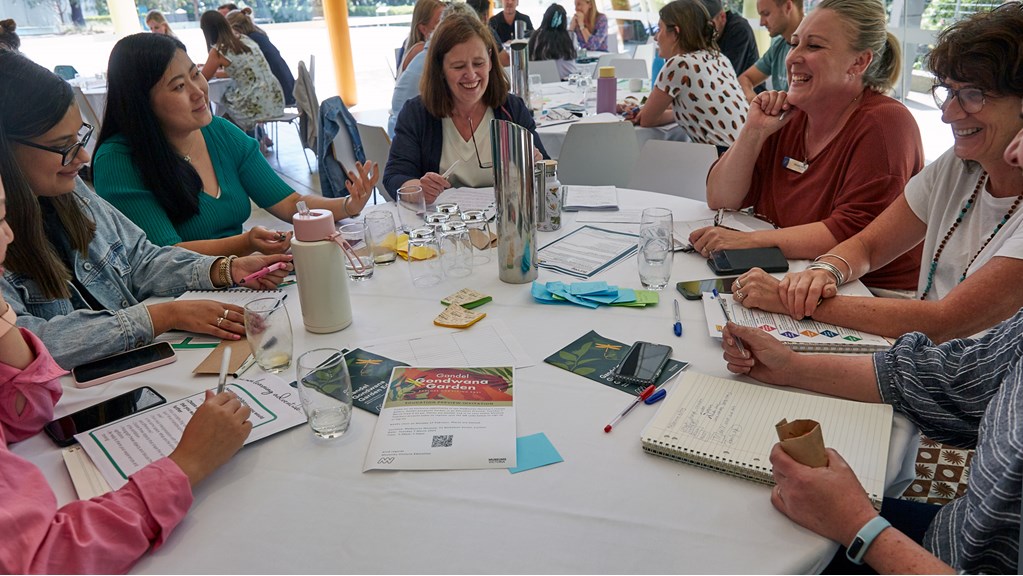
320,267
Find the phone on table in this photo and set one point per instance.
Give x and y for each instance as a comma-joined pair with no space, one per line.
694,289
123,364
742,260
63,430
642,364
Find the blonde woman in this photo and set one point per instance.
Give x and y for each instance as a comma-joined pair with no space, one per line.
425,18
589,26
158,24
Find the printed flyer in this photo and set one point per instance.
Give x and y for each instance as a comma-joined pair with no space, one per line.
445,419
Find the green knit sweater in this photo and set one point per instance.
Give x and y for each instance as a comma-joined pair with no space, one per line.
241,170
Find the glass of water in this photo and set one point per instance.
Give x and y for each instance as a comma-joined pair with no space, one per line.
411,207
325,390
359,254
655,256
268,329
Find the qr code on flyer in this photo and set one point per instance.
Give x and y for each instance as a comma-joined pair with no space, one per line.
442,441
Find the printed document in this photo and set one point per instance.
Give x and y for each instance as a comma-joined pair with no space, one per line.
587,251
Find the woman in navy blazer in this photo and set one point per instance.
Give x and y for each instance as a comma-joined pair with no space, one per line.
447,127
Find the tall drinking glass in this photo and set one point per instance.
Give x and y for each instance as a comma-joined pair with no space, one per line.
655,256
411,207
268,329
325,390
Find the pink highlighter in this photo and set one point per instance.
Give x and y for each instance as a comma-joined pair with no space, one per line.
264,271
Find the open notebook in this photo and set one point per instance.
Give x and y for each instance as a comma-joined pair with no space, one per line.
728,426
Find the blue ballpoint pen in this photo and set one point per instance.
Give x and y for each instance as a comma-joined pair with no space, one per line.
678,320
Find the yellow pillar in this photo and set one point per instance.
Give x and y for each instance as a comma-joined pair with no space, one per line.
125,16
335,12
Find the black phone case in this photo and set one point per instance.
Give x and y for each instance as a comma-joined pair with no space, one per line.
739,261
617,376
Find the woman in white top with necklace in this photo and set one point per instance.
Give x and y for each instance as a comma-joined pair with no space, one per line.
965,207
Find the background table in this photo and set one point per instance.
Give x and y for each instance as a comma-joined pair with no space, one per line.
95,90
295,504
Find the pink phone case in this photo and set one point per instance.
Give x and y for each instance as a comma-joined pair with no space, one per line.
123,373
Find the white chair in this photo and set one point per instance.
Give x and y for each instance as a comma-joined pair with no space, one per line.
646,52
547,69
631,68
604,60
598,154
88,115
612,38
675,168
377,147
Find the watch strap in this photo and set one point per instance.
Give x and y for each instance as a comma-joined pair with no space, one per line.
857,549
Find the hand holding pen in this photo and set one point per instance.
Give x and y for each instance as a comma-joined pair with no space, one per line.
266,241
728,318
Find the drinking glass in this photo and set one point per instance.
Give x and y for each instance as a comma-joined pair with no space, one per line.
268,330
536,92
584,89
325,390
380,224
455,250
411,207
479,235
424,258
359,255
655,256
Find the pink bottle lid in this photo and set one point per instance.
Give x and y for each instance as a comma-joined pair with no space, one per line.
314,225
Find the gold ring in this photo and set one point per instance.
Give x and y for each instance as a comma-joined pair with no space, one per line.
219,320
739,295
224,315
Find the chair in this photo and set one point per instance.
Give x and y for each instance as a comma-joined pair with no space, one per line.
376,145
631,68
598,154
612,38
646,53
547,69
88,115
604,60
674,168
306,115
65,71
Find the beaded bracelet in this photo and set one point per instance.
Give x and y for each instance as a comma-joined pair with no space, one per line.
839,278
230,270
839,258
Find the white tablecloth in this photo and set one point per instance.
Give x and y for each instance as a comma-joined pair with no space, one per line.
294,504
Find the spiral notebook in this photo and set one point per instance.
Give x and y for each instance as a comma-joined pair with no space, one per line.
238,296
800,335
728,426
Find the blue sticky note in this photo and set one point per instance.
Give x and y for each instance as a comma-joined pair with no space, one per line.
580,288
534,451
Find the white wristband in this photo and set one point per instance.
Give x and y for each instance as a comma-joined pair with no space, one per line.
857,549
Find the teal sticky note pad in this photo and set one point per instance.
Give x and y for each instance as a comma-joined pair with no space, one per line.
534,451
581,288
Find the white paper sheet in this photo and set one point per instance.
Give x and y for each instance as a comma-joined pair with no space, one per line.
486,343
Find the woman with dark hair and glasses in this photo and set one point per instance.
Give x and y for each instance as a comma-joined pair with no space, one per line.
185,177
78,270
446,130
965,207
551,41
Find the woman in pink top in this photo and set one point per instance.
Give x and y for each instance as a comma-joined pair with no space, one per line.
108,533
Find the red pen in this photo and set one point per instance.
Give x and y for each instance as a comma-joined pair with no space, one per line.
264,271
642,396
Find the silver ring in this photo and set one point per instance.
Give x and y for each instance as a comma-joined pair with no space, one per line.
738,284
224,315
219,320
739,295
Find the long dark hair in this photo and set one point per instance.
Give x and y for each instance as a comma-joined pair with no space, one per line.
137,63
32,101
219,34
551,40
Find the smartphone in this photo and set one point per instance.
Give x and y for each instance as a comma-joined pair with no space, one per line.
123,364
731,262
694,289
63,430
643,363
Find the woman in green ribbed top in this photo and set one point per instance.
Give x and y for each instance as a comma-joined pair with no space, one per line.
183,176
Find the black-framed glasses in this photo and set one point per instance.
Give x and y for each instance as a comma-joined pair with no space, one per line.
472,134
67,153
971,100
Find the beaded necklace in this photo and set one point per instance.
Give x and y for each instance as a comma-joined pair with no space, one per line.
955,225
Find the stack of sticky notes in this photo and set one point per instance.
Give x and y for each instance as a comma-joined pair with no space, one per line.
458,313
592,294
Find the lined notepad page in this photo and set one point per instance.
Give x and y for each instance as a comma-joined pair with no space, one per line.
725,423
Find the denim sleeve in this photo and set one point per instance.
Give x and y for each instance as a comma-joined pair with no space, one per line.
945,389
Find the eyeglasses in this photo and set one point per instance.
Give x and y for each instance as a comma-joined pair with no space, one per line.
472,134
971,100
67,153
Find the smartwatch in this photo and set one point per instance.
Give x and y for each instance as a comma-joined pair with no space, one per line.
864,538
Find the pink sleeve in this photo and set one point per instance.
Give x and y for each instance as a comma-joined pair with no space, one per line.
40,385
107,534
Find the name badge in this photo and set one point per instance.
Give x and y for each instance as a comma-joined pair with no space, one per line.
794,165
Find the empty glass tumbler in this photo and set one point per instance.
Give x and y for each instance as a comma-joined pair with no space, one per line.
455,250
424,258
479,235
325,391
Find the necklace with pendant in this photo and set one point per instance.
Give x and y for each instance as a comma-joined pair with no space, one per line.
188,155
801,167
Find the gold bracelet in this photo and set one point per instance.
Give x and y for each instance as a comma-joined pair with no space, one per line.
223,273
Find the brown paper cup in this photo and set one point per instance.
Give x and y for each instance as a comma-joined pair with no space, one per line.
803,441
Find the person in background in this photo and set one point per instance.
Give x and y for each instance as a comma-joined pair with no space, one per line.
158,23
551,41
448,126
780,17
9,39
185,177
255,93
425,17
78,270
696,87
827,157
226,9
482,8
734,36
109,533
406,86
503,23
589,26
965,392
964,207
242,24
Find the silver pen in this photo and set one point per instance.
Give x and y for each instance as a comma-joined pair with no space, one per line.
728,318
224,363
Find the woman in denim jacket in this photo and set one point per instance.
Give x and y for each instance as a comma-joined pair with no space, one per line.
78,269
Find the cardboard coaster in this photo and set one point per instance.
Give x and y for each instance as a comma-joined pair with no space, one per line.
455,316
480,240
803,441
467,298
